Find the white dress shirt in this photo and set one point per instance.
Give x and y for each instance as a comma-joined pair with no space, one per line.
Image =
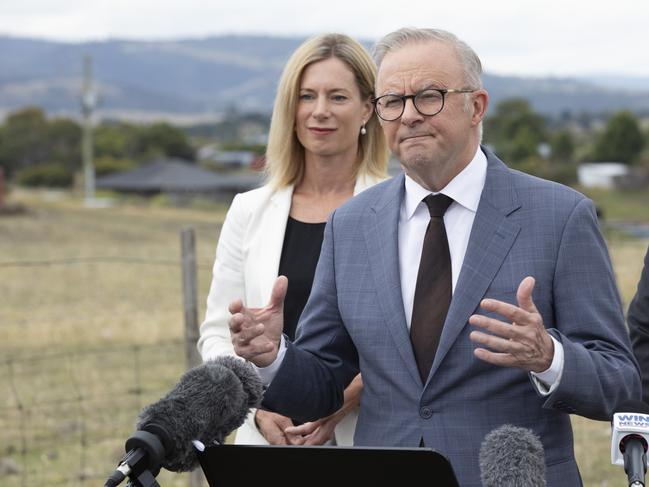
465,189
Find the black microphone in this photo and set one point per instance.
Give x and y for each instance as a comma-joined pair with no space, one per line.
511,456
208,403
629,440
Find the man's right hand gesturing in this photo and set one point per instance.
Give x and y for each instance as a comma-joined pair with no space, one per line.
256,332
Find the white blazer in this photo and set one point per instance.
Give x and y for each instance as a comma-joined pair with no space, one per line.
246,266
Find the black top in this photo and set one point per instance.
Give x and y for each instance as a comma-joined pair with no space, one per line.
300,253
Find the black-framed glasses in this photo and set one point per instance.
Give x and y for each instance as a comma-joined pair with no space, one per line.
427,102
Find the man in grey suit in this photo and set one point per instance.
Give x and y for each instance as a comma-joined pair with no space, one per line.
638,320
534,331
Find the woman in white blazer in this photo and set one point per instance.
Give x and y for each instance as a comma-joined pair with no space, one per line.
325,145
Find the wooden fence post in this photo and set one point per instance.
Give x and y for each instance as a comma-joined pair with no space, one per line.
190,301
190,296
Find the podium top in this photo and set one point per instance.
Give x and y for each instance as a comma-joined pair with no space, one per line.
254,465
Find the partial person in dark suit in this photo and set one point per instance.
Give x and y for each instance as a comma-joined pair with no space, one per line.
638,321
467,294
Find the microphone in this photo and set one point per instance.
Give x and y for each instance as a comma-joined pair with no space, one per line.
208,403
629,440
511,456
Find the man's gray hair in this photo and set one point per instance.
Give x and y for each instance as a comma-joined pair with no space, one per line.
469,60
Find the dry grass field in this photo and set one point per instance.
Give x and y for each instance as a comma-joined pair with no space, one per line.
91,324
91,328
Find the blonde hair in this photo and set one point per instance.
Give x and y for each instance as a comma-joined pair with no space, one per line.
285,153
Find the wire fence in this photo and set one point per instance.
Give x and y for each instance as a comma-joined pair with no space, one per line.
65,416
85,343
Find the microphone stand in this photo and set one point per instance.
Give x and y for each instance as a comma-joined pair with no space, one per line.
145,454
140,475
145,479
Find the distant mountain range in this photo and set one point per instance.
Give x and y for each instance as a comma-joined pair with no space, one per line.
205,77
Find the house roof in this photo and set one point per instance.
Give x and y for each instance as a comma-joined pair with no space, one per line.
176,175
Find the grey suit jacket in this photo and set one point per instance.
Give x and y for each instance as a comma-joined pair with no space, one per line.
638,320
354,320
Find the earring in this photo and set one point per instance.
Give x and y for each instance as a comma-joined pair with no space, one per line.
363,129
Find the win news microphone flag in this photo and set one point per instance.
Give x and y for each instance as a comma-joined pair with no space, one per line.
629,440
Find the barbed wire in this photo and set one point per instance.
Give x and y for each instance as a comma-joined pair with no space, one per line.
74,421
65,413
106,259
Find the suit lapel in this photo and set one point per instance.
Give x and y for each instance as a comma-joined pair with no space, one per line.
274,228
492,236
381,230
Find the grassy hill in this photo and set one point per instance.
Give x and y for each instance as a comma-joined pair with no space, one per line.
209,75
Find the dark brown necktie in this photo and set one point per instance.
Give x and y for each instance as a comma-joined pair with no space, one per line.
433,290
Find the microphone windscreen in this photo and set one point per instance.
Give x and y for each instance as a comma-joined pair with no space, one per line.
208,403
249,378
511,456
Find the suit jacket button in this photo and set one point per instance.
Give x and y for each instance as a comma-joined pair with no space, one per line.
426,412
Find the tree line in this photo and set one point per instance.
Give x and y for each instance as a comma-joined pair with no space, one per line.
37,150
553,149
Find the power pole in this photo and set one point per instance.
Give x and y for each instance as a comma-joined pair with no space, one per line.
88,103
2,188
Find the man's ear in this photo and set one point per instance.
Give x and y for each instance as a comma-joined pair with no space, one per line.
479,105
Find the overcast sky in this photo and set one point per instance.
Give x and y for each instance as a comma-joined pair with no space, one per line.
525,37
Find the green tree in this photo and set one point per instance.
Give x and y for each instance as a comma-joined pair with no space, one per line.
64,143
562,147
46,175
621,141
515,130
125,141
24,140
108,165
116,140
162,139
523,145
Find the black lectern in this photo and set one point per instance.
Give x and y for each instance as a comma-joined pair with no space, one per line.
289,466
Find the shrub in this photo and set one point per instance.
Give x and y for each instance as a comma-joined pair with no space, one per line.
46,175
110,165
561,172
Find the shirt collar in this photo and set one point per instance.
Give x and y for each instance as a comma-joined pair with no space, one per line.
465,188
